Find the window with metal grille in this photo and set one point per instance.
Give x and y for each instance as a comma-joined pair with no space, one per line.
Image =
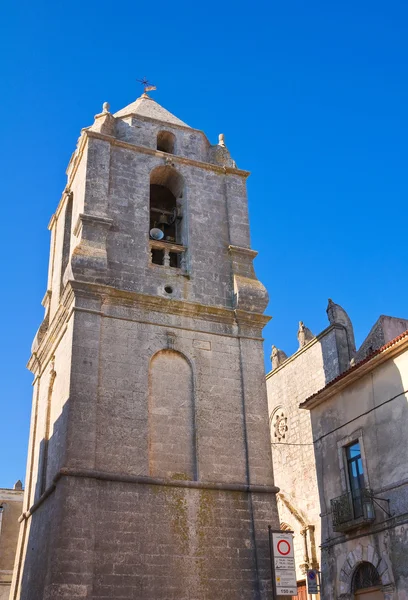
365,576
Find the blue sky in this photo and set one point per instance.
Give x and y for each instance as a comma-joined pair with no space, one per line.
312,98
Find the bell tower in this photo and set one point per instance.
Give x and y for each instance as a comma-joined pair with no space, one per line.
149,468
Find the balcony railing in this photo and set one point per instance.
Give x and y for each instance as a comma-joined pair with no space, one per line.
352,510
168,254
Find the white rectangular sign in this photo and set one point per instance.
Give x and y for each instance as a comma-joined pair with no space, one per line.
284,563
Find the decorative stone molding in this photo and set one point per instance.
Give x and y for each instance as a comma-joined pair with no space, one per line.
288,502
90,253
279,425
364,554
42,330
249,293
171,340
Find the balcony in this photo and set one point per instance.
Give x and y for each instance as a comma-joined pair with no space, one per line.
168,254
352,510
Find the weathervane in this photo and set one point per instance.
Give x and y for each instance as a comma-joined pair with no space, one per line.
148,87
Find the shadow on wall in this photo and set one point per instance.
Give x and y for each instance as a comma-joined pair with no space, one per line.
33,561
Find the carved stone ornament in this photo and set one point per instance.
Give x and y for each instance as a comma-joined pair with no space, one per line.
171,340
280,426
304,335
277,357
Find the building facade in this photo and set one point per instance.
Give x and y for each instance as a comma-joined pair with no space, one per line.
11,502
149,471
318,360
359,427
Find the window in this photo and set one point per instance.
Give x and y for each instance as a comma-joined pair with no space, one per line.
365,577
166,142
355,505
355,477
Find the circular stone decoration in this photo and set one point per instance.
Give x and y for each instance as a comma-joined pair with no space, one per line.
280,425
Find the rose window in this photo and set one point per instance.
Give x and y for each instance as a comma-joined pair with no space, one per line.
280,426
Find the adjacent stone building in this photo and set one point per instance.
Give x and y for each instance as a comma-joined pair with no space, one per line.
319,359
308,449
359,427
11,502
149,470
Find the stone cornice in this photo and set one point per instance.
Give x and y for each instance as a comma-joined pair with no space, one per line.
241,250
94,219
36,362
252,319
235,319
174,157
177,307
146,480
11,495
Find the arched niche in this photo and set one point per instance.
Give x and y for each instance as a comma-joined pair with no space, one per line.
171,417
166,142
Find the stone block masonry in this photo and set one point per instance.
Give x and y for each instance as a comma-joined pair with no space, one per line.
149,470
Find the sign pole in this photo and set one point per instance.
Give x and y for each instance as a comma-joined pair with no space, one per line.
272,563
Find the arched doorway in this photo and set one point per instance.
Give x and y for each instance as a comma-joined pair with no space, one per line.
366,584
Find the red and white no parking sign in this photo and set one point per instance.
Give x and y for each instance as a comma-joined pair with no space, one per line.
283,545
283,564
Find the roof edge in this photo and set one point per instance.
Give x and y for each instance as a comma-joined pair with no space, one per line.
385,352
304,348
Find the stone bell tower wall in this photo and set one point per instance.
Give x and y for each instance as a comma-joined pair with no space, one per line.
121,516
213,206
150,463
189,142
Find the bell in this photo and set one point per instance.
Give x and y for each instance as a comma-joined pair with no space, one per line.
163,220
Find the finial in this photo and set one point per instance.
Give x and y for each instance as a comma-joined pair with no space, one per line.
221,140
105,107
277,357
304,335
18,485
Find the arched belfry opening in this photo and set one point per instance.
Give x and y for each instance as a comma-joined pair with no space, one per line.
166,142
166,196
